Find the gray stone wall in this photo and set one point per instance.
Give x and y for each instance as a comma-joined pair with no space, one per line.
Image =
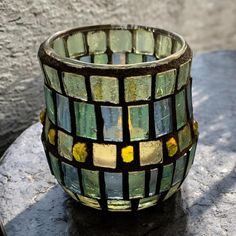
206,24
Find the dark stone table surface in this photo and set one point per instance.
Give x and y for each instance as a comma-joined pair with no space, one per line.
31,203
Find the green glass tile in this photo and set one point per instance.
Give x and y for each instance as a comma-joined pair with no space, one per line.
180,106
176,46
166,177
118,205
165,83
148,202
90,182
136,184
185,138
183,74
63,112
118,58
133,58
71,177
58,46
75,45
104,89
189,100
144,42
97,42
85,120
138,88
172,191
179,169
153,182
112,117
120,40
138,122
49,104
163,117
74,85
114,187
191,157
52,77
65,143
163,46
101,58
55,167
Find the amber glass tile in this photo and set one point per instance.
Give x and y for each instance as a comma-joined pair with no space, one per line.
163,46
104,89
185,138
46,127
165,83
133,58
112,117
52,78
55,167
118,205
148,202
150,152
120,40
58,46
74,85
172,191
104,155
144,41
138,88
153,181
89,202
71,177
138,122
136,184
75,45
101,58
85,120
65,143
166,177
113,182
163,117
184,71
49,104
97,42
63,112
90,181
118,58
180,106
179,169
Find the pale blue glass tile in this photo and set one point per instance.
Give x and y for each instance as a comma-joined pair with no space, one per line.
114,189
153,182
166,177
179,169
163,117
112,117
149,58
180,106
63,112
85,59
71,178
118,58
49,104
136,184
189,98
90,181
55,167
85,120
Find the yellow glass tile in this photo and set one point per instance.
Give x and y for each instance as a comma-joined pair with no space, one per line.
118,205
51,136
42,116
80,152
150,152
127,154
148,202
172,146
104,155
195,127
89,202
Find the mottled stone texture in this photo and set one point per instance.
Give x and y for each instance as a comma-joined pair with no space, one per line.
206,24
32,204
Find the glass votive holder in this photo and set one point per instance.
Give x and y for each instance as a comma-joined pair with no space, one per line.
118,131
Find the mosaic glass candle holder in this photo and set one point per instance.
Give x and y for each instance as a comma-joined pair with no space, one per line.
118,130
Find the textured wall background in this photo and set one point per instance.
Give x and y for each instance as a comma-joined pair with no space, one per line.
24,24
